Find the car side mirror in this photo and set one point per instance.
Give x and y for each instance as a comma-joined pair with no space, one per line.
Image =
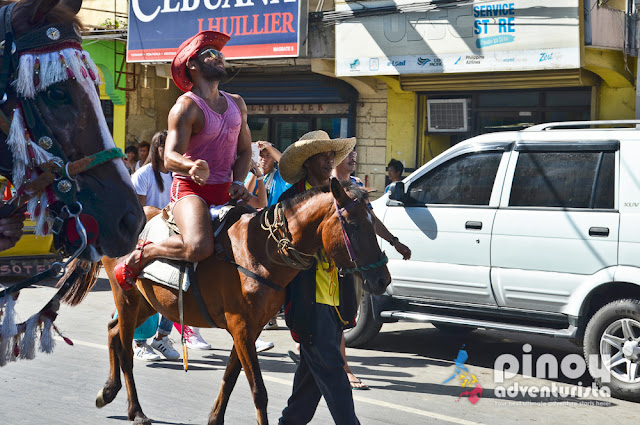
396,191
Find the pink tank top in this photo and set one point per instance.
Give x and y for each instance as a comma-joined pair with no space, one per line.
217,143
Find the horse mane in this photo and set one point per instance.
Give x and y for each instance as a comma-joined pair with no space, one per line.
356,192
81,283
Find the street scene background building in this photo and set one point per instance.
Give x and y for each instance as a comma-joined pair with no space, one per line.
408,78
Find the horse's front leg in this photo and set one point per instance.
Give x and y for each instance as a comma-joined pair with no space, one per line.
216,417
130,318
246,350
133,310
108,393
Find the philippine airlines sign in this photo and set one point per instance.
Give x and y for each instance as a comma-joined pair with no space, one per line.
258,28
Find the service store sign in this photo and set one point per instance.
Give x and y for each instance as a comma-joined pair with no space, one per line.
478,36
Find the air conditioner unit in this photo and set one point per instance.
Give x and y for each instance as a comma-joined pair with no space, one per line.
447,115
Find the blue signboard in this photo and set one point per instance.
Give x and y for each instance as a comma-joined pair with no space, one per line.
258,28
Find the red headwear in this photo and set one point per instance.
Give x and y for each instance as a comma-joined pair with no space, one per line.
188,49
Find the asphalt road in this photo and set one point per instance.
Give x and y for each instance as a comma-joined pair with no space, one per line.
405,367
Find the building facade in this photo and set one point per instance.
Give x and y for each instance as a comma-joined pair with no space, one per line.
408,78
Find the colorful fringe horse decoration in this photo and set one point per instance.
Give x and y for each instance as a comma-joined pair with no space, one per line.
40,56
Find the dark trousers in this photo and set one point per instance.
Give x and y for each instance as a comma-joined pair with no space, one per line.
321,374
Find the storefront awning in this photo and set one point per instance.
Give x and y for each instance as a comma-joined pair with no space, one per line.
498,80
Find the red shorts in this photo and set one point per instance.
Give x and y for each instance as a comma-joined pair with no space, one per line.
212,194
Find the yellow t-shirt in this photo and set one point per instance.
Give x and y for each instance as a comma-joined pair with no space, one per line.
327,291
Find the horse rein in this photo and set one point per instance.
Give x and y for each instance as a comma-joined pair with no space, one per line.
279,232
352,255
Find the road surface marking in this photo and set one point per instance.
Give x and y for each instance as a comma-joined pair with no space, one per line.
361,399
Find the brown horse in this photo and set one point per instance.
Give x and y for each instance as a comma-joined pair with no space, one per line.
240,304
52,83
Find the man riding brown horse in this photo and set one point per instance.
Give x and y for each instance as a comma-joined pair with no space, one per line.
208,145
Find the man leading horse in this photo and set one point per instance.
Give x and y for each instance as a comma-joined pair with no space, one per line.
319,303
208,149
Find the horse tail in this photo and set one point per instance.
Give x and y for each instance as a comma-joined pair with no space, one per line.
79,280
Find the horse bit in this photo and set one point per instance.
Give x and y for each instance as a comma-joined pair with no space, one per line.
59,172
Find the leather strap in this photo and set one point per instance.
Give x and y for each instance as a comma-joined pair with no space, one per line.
198,296
180,305
254,276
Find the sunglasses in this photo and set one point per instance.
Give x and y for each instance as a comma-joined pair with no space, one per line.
213,53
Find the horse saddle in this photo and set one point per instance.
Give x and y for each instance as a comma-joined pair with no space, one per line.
171,272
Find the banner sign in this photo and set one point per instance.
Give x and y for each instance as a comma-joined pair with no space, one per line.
477,36
258,28
300,109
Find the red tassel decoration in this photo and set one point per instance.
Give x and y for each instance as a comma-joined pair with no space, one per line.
86,63
84,72
67,340
69,71
16,350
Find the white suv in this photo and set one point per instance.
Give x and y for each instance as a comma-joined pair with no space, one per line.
533,231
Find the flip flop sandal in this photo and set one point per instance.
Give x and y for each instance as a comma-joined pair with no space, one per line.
358,381
126,275
294,357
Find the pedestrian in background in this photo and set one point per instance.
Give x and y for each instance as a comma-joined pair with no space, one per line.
132,156
143,154
344,171
274,185
395,169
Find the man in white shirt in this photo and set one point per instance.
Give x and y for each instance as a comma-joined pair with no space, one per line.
143,153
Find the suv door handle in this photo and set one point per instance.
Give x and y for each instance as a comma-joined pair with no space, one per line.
473,225
602,232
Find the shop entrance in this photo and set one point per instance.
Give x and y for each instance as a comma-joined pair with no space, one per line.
282,131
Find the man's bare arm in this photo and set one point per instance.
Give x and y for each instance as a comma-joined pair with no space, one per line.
243,155
182,118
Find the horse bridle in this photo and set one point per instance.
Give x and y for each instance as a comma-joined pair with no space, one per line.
352,255
61,172
279,232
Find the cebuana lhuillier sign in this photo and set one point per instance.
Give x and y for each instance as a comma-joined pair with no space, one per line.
258,28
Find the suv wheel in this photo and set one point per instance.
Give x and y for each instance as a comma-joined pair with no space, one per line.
453,329
612,341
367,327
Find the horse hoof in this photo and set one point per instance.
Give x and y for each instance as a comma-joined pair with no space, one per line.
142,421
100,399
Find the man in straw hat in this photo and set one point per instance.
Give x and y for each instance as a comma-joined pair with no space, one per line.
311,303
208,150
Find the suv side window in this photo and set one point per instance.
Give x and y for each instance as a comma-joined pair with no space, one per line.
564,179
465,180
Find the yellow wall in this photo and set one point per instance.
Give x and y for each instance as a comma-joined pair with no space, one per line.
616,94
401,127
119,125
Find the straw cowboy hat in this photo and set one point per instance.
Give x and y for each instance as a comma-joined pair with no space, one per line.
314,142
188,49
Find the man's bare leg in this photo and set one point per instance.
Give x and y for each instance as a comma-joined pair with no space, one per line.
195,243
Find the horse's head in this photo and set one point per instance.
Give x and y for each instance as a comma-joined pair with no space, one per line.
59,116
349,237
